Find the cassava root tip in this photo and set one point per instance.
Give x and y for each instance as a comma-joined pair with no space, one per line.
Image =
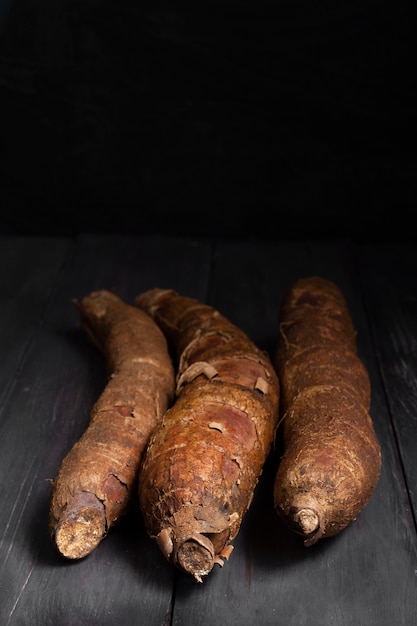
81,527
304,521
194,554
307,521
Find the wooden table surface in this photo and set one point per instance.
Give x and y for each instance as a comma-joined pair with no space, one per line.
50,376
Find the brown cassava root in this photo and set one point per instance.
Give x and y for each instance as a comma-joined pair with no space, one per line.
97,478
205,457
332,459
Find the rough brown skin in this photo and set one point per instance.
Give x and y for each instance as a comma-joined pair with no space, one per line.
332,458
97,478
206,456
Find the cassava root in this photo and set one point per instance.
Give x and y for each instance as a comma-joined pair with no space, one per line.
332,459
206,455
98,477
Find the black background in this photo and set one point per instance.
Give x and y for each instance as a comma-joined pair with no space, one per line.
275,119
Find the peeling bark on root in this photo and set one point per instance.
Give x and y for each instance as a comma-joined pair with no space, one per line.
98,476
204,459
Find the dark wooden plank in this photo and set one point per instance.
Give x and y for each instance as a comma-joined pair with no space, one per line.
389,278
28,270
271,578
124,581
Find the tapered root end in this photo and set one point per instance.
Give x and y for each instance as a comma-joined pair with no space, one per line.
307,524
194,554
81,527
195,558
304,521
307,521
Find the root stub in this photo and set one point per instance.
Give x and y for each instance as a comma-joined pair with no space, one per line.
81,527
195,559
307,521
304,521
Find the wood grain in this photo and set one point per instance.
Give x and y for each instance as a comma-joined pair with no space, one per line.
50,377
